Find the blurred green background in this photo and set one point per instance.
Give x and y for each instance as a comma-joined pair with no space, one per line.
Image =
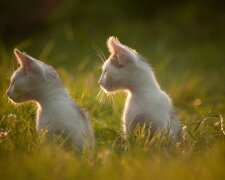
67,32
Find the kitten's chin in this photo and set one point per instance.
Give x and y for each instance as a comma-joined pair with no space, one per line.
106,89
15,100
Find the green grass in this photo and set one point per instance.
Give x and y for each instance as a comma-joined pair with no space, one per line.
192,74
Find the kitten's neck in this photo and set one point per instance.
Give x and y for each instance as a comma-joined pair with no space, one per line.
146,84
48,95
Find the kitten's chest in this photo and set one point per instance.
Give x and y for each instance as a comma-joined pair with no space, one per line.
139,107
51,119
132,109
44,120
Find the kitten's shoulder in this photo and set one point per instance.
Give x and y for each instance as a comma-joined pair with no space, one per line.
79,109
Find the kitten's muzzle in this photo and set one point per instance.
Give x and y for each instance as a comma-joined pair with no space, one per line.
8,92
12,97
102,84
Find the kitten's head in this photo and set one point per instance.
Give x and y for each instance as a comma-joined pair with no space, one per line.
27,80
122,68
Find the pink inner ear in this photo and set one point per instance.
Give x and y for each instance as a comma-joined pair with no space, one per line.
23,60
118,50
20,57
114,45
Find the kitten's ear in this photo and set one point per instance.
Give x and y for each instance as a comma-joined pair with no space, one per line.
24,60
113,45
120,51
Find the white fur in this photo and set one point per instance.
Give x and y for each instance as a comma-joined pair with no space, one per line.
57,112
146,102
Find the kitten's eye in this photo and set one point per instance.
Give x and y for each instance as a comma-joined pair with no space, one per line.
104,71
13,82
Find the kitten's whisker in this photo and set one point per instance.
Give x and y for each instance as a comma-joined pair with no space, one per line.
100,57
112,100
103,97
100,96
100,54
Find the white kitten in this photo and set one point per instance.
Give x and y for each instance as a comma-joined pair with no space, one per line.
57,112
146,103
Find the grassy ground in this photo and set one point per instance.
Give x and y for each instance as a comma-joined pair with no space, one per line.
189,65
